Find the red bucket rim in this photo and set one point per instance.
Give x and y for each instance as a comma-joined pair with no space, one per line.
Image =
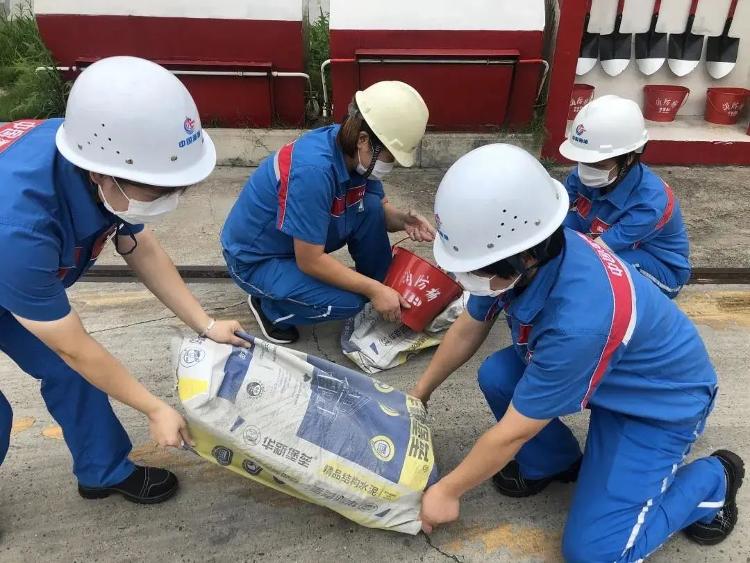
666,88
438,269
583,87
728,90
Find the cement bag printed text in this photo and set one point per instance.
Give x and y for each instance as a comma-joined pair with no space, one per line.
375,344
309,428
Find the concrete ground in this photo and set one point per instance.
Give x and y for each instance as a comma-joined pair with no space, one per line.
219,516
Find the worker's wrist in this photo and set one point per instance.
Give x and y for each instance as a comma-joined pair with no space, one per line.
451,486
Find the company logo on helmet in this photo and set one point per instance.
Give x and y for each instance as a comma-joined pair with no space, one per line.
439,224
580,130
189,125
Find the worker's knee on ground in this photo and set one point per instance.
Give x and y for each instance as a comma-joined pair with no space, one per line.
6,422
588,543
495,380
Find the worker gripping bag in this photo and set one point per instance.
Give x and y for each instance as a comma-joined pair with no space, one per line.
309,428
375,344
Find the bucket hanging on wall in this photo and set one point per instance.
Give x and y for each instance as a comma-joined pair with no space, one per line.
724,105
579,97
664,101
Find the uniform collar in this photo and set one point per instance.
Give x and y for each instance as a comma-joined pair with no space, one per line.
87,215
527,305
339,163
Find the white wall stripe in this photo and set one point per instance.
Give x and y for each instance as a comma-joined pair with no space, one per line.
475,15
280,10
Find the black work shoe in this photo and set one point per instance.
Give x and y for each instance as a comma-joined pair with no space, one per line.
723,523
146,485
272,332
509,481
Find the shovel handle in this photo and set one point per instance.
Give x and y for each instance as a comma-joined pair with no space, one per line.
694,7
732,9
657,7
620,7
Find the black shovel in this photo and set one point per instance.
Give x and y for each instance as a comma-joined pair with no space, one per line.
589,47
685,48
615,49
721,51
651,47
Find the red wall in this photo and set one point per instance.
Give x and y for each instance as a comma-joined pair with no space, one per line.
232,101
460,97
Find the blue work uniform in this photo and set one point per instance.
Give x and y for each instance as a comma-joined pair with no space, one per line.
305,191
589,332
640,220
52,228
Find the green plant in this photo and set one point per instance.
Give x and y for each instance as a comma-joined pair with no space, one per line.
317,52
26,92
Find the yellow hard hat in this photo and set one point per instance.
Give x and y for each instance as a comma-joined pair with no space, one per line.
397,115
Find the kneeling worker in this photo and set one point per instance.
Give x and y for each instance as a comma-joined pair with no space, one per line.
313,197
618,201
583,324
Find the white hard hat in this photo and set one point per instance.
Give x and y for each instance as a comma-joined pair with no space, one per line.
397,115
604,128
493,203
131,118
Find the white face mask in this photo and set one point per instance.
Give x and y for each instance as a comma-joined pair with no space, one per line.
594,177
480,286
379,171
139,212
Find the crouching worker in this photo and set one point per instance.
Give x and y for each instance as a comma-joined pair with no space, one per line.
583,325
316,195
130,144
619,202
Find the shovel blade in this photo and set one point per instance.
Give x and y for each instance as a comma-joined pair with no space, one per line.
684,52
719,69
651,45
650,66
722,49
615,46
613,67
681,67
585,65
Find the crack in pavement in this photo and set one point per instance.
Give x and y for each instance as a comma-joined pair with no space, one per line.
455,558
317,345
213,310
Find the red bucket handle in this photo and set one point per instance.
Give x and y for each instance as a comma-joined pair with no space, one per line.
393,246
687,97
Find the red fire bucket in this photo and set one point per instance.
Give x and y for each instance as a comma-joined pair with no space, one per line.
724,105
663,102
425,287
579,97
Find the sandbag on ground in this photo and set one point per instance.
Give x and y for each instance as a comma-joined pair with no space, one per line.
309,428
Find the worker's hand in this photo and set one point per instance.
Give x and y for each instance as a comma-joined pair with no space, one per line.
418,227
168,428
438,507
417,393
225,332
388,302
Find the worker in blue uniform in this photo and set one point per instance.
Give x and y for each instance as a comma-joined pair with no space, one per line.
618,201
588,332
316,195
130,144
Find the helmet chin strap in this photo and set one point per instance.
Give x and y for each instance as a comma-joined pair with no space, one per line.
376,150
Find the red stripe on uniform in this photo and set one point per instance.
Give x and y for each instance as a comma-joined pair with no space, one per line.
623,310
284,160
669,209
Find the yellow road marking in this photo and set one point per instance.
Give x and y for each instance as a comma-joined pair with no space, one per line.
21,424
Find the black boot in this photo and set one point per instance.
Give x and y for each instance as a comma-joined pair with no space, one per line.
723,523
272,332
509,481
146,485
